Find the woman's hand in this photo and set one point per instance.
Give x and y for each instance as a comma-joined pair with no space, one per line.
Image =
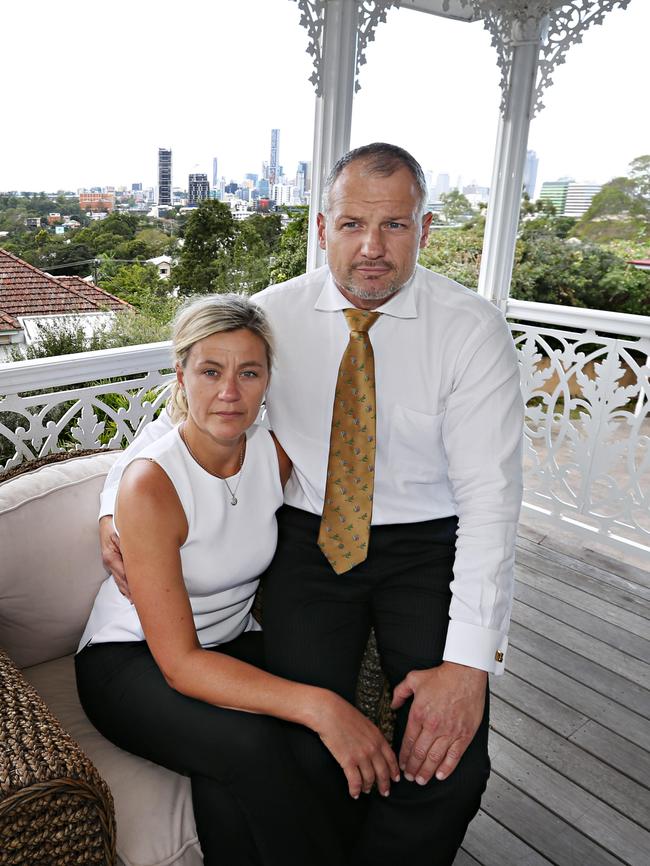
357,745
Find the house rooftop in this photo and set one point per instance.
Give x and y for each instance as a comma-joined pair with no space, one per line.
27,291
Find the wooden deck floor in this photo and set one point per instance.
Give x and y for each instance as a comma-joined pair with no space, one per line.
570,736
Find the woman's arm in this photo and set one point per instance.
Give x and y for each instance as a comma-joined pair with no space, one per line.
283,460
152,528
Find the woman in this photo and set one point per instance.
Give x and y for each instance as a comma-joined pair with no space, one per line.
177,676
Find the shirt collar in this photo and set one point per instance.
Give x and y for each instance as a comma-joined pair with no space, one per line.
401,305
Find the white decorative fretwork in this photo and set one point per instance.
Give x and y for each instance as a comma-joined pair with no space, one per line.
370,14
105,413
312,17
584,378
587,446
514,22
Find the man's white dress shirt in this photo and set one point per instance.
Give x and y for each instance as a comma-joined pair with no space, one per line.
449,429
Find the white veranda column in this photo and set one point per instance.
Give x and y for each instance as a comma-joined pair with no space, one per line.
333,117
509,162
531,37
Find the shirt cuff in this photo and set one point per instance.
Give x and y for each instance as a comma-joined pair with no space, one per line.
106,503
476,647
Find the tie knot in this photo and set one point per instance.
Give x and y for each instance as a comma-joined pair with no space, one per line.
360,320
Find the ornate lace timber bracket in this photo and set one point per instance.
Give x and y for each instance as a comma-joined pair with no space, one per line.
370,12
555,25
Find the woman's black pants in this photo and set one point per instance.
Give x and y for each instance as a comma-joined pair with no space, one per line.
252,803
316,626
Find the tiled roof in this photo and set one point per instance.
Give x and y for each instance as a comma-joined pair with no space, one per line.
8,323
27,291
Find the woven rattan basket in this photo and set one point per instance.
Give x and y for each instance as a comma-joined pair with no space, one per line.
55,810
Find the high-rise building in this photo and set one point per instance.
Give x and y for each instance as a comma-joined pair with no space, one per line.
198,188
274,171
555,192
285,193
264,187
304,168
530,173
164,176
442,186
578,198
252,177
215,175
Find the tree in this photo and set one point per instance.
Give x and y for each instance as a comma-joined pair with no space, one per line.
456,252
291,257
621,210
640,175
456,207
209,236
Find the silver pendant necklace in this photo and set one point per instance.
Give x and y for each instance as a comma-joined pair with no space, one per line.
233,493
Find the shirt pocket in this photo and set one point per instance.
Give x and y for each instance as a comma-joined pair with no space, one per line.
416,452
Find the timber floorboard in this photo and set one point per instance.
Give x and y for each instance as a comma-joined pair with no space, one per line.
569,720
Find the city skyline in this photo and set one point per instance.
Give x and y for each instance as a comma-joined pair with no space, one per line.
430,84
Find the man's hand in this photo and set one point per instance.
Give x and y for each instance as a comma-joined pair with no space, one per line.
111,554
448,704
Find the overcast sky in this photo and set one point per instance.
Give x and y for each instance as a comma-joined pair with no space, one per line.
92,88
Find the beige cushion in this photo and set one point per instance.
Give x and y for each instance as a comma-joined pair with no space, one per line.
51,567
153,806
50,570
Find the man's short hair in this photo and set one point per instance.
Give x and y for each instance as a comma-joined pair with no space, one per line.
382,159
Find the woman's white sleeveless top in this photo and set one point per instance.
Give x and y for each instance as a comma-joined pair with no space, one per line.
227,546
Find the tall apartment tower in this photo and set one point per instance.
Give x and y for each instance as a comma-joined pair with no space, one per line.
164,176
275,156
215,174
578,198
198,188
304,168
555,191
530,173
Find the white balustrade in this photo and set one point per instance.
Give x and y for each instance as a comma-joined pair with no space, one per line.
75,402
584,377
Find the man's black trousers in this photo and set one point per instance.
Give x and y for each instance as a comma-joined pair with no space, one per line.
316,625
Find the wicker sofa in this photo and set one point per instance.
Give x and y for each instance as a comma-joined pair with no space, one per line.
57,773
55,810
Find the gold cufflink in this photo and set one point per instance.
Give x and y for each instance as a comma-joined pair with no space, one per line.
498,656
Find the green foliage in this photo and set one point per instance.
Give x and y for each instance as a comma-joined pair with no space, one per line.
455,252
209,237
551,270
544,225
621,210
221,255
65,336
139,284
291,258
456,207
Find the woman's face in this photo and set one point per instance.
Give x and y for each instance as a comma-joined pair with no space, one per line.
225,379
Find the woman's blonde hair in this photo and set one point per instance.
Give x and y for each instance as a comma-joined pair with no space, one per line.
213,314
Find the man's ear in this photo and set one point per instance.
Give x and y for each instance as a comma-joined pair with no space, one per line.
320,222
426,225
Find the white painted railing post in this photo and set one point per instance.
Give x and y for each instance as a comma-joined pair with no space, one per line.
509,161
333,116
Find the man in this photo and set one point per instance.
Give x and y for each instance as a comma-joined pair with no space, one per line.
402,508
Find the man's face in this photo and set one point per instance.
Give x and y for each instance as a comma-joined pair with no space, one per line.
372,233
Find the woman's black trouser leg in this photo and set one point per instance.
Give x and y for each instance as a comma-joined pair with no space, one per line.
240,763
316,625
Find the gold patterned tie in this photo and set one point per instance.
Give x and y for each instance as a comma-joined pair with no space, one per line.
347,512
